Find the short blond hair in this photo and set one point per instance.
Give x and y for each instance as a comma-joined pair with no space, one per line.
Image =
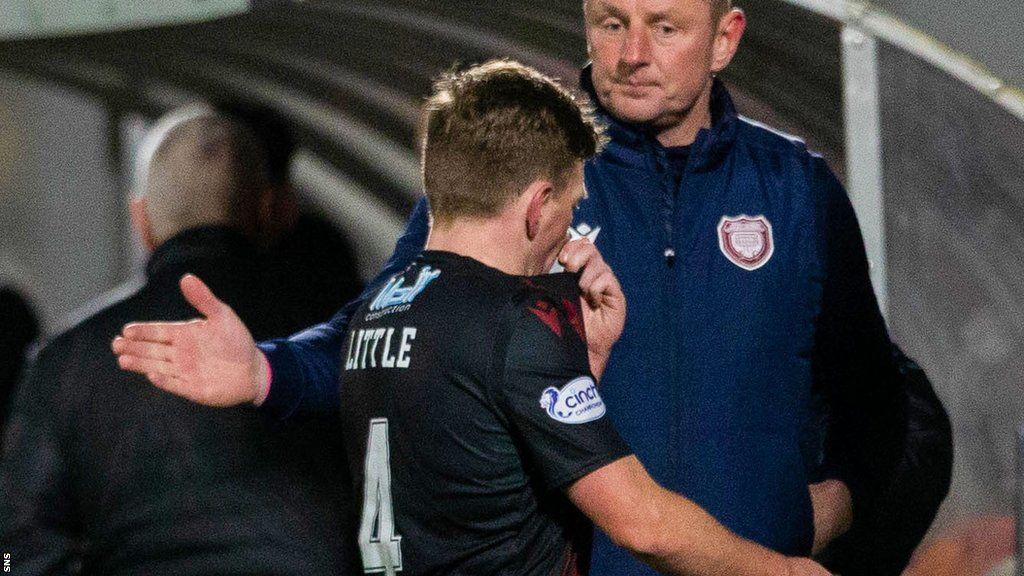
493,129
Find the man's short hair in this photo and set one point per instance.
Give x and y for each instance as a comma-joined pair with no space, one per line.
205,169
493,129
720,7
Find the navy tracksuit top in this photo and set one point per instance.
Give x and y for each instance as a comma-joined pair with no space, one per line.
749,304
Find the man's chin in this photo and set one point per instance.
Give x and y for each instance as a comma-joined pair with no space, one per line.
633,110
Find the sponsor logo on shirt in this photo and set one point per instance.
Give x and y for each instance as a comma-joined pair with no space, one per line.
576,403
746,240
583,230
396,294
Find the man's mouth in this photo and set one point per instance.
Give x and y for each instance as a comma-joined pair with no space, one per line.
634,83
631,89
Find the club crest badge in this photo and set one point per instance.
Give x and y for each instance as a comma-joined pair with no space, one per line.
746,240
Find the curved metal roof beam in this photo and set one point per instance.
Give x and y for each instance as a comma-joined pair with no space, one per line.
399,105
884,26
373,224
93,76
435,25
394,162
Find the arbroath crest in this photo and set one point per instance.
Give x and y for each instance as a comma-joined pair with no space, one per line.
746,240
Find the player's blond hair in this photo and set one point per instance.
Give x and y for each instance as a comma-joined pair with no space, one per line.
494,128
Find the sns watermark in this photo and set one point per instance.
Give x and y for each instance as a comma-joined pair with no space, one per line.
7,561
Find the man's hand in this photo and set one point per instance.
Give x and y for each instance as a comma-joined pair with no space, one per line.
604,305
833,512
212,361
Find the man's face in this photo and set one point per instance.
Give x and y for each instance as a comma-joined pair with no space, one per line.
557,217
652,59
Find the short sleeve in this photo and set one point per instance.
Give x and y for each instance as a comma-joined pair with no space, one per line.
549,397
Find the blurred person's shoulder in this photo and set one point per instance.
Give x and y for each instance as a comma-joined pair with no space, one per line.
19,325
86,333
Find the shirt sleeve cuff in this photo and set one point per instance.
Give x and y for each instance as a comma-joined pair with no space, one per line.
284,392
264,387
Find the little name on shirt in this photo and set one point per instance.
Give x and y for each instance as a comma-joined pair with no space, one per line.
365,349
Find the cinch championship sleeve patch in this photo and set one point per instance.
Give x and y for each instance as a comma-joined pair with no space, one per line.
552,401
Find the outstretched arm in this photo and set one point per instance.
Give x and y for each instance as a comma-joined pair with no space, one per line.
215,361
211,360
669,532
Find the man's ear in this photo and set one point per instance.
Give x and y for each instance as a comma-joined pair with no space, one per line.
536,197
141,222
727,38
278,212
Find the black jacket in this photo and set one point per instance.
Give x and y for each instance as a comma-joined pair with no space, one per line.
882,540
18,328
104,472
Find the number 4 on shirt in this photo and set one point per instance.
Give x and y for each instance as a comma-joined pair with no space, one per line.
379,546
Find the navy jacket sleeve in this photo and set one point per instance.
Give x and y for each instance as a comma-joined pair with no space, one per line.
37,525
305,365
854,370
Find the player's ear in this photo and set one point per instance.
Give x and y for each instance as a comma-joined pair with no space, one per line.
141,222
727,38
536,196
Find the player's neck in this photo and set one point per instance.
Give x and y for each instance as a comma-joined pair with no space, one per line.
487,241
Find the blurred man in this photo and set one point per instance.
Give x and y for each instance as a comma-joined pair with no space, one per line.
18,328
311,258
101,469
469,402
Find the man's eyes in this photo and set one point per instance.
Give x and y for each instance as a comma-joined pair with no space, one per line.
617,26
611,25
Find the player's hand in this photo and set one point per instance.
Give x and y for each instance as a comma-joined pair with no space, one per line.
806,567
212,360
603,303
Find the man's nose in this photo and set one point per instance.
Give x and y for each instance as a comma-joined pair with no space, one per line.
636,48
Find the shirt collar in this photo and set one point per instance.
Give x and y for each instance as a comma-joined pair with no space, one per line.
207,243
